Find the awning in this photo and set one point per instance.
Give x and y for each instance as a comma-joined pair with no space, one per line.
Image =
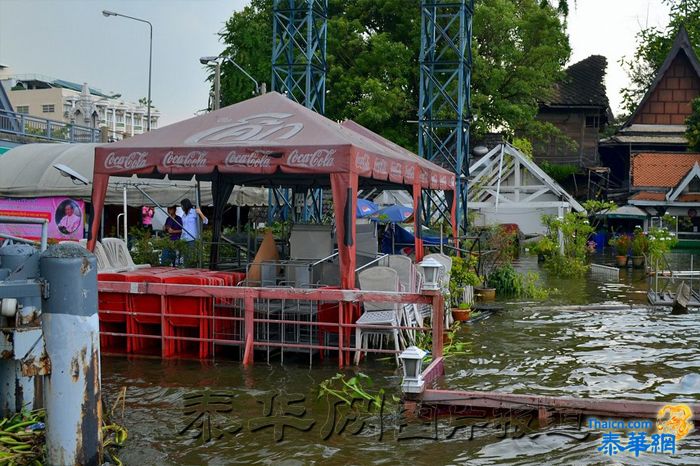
268,141
27,171
628,212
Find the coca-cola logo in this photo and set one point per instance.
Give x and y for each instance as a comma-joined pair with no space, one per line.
321,158
396,169
452,182
423,177
260,128
250,159
380,166
443,180
192,159
362,163
131,161
409,173
433,179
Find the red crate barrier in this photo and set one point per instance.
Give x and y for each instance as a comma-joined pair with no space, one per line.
112,311
145,317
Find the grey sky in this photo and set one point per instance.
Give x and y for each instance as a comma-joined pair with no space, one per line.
70,39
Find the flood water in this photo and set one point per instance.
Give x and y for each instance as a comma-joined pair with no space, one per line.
641,353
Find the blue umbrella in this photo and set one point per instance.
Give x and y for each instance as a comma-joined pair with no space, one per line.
365,208
393,214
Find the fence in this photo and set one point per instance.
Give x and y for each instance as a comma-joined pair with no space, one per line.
26,126
191,320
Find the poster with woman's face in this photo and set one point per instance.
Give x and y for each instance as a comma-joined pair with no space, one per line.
68,217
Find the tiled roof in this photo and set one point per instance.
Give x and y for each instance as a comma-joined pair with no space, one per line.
583,85
648,196
661,169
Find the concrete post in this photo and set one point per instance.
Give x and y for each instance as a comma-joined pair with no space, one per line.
70,322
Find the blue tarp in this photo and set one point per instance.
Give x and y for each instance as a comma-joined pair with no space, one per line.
404,240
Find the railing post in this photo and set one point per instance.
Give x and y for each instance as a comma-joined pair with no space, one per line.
48,129
438,319
71,136
249,313
71,333
22,122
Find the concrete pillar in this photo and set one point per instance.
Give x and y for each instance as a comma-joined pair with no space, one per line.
70,322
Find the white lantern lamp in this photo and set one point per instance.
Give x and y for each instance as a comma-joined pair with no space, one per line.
432,270
412,359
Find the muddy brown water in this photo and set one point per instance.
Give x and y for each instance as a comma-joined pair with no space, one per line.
641,353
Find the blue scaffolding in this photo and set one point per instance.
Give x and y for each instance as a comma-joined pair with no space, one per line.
299,32
443,110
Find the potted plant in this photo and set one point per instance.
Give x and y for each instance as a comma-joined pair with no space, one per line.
621,243
461,312
640,246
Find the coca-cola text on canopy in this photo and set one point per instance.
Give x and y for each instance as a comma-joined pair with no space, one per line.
321,158
131,161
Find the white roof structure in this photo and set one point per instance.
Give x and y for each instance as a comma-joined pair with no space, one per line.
505,186
28,171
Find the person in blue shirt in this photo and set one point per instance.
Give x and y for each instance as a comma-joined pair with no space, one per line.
173,227
190,225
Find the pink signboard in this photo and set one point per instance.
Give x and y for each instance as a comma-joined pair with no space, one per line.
66,217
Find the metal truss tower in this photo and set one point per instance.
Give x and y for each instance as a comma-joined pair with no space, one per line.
299,31
443,110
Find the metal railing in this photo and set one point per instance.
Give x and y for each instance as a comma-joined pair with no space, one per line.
42,243
26,126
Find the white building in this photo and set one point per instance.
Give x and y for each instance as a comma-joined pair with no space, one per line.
69,102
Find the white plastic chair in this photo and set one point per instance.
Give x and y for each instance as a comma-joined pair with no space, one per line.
407,278
119,255
378,313
103,263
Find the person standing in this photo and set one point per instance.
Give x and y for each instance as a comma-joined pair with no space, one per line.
190,223
173,227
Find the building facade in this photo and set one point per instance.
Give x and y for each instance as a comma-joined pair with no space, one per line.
658,122
70,102
579,108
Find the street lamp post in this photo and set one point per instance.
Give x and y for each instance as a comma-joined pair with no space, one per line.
107,14
217,77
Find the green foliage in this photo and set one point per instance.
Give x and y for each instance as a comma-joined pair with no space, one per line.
621,243
462,273
544,247
524,146
654,44
452,346
508,282
640,242
559,172
519,50
660,241
575,229
346,390
693,127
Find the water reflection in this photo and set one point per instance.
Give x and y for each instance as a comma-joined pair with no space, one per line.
636,353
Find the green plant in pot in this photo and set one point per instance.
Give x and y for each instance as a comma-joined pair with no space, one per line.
621,243
640,246
462,274
461,312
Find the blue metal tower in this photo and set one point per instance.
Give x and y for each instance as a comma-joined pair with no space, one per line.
443,110
299,31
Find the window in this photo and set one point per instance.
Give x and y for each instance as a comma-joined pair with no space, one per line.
592,122
48,108
694,185
23,109
120,118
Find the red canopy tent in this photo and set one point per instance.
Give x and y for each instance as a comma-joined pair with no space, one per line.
271,141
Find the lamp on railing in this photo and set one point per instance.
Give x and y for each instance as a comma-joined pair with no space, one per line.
412,359
431,271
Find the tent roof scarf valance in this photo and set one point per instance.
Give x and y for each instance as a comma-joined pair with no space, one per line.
271,140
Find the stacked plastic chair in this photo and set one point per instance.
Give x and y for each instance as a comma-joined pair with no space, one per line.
144,323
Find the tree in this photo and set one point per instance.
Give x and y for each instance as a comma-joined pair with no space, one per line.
654,44
519,50
693,127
